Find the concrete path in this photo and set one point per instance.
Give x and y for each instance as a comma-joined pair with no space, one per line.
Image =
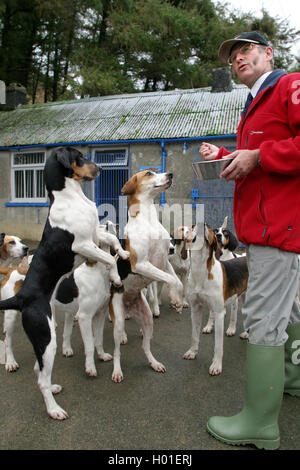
148,410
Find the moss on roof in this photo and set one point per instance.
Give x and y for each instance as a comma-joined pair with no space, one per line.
171,114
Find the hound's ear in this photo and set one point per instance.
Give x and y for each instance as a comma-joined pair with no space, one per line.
225,222
63,157
184,251
233,242
2,235
3,252
217,249
130,186
206,231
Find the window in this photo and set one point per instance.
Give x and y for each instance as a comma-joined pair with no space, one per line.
111,158
28,177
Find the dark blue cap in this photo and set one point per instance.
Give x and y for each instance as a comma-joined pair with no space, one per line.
251,36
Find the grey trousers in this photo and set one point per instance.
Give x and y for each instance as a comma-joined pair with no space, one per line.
270,304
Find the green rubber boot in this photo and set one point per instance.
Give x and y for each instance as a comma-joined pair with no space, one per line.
257,423
292,360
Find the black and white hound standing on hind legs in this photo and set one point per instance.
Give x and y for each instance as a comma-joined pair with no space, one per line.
69,239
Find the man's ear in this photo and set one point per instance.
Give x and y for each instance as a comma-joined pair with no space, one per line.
269,53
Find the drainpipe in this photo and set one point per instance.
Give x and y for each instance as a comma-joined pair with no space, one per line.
163,169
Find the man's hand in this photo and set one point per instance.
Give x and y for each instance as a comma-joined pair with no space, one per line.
209,151
244,162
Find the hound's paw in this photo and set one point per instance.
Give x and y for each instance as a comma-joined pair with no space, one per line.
91,370
123,253
177,305
215,368
230,331
190,354
115,280
207,329
105,357
157,366
176,297
67,352
185,304
124,339
117,376
156,313
55,389
58,413
244,335
11,366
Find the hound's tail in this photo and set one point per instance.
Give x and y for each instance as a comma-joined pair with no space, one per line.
13,303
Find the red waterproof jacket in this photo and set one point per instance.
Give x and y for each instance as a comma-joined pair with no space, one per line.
267,201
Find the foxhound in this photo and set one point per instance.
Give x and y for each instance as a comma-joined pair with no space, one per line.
180,259
11,247
13,280
214,283
228,244
227,241
69,238
148,243
86,294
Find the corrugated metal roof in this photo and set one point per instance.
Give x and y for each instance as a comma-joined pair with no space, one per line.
166,115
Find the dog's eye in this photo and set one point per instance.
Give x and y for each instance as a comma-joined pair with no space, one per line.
149,173
216,231
12,242
225,232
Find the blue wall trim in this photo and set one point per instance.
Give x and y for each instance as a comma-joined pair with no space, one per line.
27,204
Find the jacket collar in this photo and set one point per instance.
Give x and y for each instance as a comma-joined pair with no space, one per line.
271,79
269,82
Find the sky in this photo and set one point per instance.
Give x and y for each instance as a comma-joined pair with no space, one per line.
287,9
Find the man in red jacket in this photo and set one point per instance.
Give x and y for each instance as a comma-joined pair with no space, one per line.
266,169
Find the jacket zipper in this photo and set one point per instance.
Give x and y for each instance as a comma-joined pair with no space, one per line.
263,215
251,133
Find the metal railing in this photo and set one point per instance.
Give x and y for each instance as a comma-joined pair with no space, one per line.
216,196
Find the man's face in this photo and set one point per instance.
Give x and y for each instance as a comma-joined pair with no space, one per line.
250,61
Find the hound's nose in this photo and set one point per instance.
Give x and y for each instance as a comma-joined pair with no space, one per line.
96,170
170,175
